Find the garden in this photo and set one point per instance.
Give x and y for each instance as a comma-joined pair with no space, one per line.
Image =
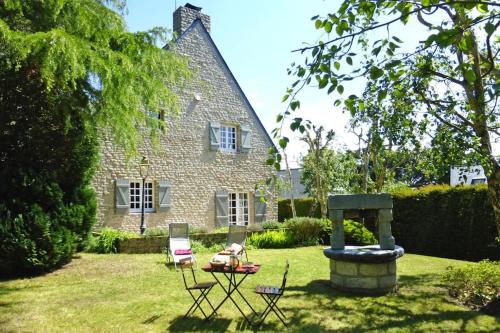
137,293
70,72
102,290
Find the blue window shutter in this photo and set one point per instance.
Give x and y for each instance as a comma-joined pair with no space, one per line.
245,137
122,196
164,196
259,208
214,135
221,209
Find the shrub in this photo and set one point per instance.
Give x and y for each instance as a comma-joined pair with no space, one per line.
356,234
271,240
271,225
200,247
198,230
305,230
48,151
221,230
36,241
108,239
303,207
155,232
453,222
476,284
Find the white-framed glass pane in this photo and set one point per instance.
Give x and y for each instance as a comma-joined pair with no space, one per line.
238,208
136,197
228,138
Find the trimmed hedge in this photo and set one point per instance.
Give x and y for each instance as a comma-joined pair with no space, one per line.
437,220
452,222
303,207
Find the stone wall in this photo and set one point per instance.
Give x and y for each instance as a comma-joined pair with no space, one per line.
182,156
369,278
158,244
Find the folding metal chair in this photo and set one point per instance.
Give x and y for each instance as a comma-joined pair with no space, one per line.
203,287
179,246
271,296
237,234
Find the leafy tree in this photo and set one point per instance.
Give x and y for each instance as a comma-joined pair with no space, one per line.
392,136
76,46
324,170
451,77
68,70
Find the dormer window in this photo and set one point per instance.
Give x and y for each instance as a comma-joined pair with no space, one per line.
228,138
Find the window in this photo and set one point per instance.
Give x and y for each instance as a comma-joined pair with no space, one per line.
228,138
476,181
136,196
238,208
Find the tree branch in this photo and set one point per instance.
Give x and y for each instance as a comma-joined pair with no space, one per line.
446,77
490,53
373,27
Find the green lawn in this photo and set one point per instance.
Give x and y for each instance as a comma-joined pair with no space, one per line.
137,293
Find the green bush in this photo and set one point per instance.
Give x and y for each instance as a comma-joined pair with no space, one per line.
356,234
305,230
271,225
476,285
155,232
108,240
220,230
48,151
198,230
452,222
199,247
304,207
36,241
271,240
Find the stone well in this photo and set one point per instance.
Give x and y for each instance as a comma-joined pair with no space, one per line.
362,269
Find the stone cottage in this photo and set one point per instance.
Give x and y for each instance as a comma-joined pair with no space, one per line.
207,164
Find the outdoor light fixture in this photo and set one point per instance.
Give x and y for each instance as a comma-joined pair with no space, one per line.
144,172
197,96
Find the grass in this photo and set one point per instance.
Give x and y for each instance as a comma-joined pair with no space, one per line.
137,293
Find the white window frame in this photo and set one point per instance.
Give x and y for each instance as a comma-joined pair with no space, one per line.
237,208
136,196
228,138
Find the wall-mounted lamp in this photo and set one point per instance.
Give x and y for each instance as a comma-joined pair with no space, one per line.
197,96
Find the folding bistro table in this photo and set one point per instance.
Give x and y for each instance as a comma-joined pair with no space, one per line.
234,283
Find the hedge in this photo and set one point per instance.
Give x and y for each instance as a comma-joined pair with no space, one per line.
438,220
452,222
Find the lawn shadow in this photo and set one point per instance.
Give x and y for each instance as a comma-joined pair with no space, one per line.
7,290
197,324
417,304
152,319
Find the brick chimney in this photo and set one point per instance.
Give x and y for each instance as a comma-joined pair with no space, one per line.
185,15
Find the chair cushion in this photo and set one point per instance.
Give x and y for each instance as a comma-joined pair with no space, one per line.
268,290
183,251
235,248
203,285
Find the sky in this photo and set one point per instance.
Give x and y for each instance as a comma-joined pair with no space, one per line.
256,39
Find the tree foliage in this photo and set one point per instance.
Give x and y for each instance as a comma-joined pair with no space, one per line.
324,170
85,46
450,78
68,71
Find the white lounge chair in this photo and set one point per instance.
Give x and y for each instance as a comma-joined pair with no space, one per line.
179,246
